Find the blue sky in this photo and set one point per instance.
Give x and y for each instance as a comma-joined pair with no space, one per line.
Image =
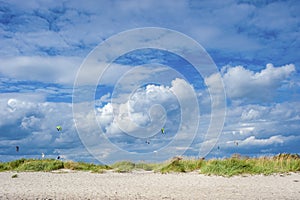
254,45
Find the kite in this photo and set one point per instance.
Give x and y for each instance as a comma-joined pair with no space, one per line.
163,131
17,148
148,142
236,143
59,128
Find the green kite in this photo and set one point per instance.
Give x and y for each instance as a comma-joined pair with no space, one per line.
59,128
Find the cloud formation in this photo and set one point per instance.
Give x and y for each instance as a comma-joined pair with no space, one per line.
56,69
244,83
148,110
262,31
29,122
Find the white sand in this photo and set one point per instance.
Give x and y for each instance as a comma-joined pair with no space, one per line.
145,185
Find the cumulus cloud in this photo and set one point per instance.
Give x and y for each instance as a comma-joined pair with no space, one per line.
147,108
246,84
263,119
14,107
30,123
284,111
141,116
260,128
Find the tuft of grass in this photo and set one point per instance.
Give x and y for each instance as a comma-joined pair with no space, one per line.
31,165
227,167
123,166
78,166
98,170
192,165
40,165
128,166
4,167
16,163
147,166
50,165
15,176
85,166
264,165
178,164
173,166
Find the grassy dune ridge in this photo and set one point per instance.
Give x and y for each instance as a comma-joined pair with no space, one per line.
236,165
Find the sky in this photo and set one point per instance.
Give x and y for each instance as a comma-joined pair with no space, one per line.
221,77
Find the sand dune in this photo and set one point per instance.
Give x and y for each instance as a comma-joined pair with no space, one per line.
145,185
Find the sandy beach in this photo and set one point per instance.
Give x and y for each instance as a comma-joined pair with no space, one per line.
145,185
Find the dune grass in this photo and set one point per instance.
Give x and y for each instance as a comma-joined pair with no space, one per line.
282,163
123,166
47,165
128,166
178,164
32,165
236,165
82,166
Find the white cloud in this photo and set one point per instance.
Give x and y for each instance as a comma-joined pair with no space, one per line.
244,130
57,69
105,115
250,115
276,139
216,90
144,111
142,116
243,83
79,26
123,77
31,122
256,126
274,17
14,107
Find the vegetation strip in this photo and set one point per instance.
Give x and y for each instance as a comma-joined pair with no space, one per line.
236,165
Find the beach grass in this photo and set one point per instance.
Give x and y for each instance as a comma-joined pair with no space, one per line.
82,166
32,165
123,166
235,165
128,166
178,164
282,163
